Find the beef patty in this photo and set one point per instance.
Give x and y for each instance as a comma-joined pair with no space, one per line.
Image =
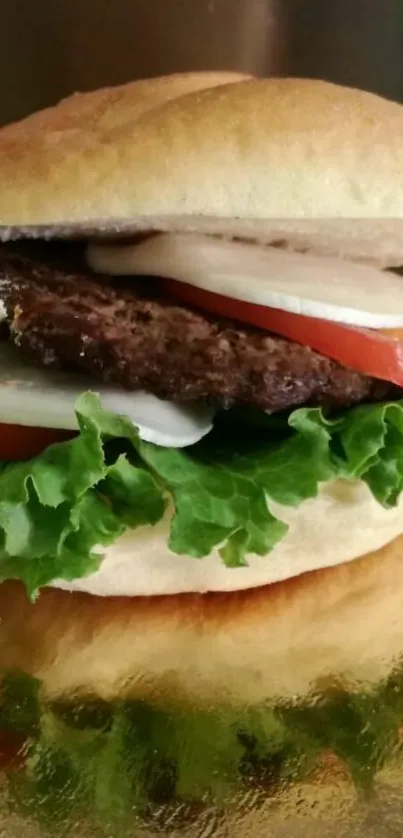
133,334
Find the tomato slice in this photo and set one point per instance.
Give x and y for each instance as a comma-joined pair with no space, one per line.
22,443
375,353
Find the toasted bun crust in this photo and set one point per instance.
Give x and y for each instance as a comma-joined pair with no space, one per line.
259,158
340,625
113,107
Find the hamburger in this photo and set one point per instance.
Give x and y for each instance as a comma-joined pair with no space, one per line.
201,461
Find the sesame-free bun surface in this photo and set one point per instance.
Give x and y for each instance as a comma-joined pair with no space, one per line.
113,107
267,159
342,625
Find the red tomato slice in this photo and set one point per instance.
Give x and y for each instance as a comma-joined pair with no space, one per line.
374,353
21,443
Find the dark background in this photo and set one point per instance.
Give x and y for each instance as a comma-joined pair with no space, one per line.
49,48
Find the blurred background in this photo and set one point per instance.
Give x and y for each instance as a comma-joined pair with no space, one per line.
49,48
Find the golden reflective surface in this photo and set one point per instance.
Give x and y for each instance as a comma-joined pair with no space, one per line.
134,760
155,774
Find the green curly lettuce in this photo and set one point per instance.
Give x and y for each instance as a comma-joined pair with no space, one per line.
58,510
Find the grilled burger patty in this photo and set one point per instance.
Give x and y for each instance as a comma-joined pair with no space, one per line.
133,334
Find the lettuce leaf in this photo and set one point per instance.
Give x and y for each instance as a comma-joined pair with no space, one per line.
59,509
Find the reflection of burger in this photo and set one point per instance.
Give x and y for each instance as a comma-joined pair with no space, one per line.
198,407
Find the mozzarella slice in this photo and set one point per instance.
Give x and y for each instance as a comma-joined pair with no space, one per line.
31,396
331,289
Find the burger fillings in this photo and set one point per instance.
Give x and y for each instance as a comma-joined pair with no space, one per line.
336,350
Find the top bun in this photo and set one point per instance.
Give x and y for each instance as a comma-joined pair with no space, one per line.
265,158
113,107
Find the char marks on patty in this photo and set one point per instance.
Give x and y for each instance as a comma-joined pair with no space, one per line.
131,333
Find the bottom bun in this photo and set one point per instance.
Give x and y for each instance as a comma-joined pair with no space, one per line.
140,563
342,624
